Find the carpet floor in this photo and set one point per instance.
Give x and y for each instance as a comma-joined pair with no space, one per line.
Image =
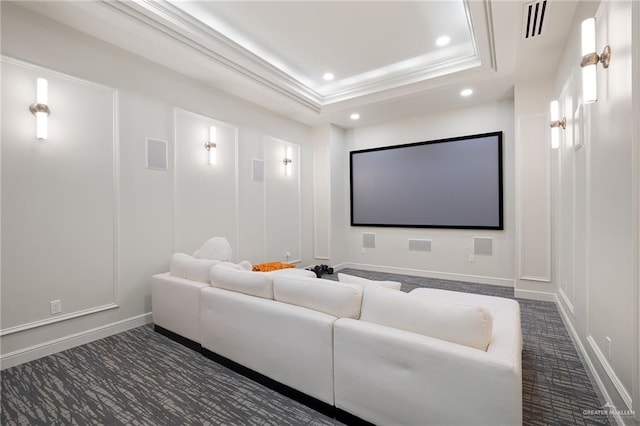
140,377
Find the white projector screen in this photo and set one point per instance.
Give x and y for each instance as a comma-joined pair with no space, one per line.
447,183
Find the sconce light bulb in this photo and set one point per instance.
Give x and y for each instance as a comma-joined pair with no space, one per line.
42,87
554,111
287,161
41,125
213,155
589,83
588,28
211,146
555,137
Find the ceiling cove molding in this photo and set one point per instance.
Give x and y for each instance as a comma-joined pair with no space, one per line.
400,81
163,17
172,22
482,14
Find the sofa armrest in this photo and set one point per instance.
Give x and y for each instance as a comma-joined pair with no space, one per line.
175,303
390,376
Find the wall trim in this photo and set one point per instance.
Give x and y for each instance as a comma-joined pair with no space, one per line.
478,279
57,318
520,238
297,171
115,194
541,296
532,278
67,342
316,166
585,358
236,172
565,299
622,391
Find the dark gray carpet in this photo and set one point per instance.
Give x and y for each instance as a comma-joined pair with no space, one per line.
142,378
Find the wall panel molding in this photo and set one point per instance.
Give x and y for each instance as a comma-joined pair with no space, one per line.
283,202
534,195
205,197
67,342
321,203
615,380
66,219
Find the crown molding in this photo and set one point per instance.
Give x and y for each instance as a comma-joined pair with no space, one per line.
168,20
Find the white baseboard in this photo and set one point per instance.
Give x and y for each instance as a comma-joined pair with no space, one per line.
478,279
542,296
566,301
54,346
604,363
586,359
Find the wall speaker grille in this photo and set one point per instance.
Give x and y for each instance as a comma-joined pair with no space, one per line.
483,246
368,240
156,151
257,170
419,245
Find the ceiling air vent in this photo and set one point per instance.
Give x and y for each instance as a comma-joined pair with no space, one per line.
533,18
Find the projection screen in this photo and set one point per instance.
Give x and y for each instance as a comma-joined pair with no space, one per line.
447,183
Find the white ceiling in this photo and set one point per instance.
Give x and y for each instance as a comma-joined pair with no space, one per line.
383,53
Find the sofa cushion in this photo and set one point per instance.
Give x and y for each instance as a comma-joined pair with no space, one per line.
467,325
352,279
190,268
292,272
233,278
337,299
217,248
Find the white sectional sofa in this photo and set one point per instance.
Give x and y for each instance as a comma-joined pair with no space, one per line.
388,375
370,353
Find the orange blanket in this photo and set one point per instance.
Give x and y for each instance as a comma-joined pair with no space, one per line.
271,266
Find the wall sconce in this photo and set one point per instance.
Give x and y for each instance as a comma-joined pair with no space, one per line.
556,124
287,161
40,109
590,60
211,145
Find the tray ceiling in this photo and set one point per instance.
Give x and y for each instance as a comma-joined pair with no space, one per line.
385,55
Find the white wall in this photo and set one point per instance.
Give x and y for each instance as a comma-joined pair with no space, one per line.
451,248
152,218
595,207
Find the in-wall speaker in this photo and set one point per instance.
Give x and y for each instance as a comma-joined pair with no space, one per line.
368,240
257,170
419,245
483,245
156,154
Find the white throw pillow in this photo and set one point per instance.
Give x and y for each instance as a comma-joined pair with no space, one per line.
230,276
217,248
337,299
352,279
190,268
245,264
463,324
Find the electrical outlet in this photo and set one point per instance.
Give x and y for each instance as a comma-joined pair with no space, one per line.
287,255
608,347
56,306
472,258
564,285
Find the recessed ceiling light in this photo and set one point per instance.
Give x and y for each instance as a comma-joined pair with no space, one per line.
328,76
466,92
355,116
443,41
